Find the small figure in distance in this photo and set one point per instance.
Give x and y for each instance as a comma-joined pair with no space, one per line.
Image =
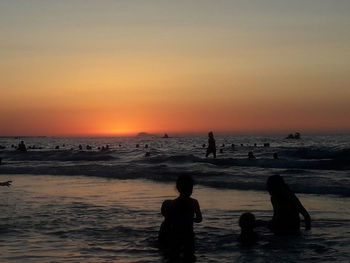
146,146
211,145
137,145
251,156
180,215
22,147
203,145
286,208
248,236
57,147
275,156
7,183
80,147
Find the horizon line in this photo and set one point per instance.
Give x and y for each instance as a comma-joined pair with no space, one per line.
172,134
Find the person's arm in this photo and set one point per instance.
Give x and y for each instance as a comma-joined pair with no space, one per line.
198,214
8,183
305,214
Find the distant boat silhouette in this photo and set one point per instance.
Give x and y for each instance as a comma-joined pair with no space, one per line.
294,136
144,134
166,136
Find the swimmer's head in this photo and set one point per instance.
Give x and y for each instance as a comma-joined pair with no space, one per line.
276,185
247,221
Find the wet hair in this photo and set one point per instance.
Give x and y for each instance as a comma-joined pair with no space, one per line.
184,184
247,221
276,185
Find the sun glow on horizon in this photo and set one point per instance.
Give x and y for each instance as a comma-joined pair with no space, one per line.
82,67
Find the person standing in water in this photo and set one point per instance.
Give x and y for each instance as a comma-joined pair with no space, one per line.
211,145
176,233
286,208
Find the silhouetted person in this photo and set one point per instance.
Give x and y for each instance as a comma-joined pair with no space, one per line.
166,228
179,216
7,183
211,145
22,147
275,156
247,223
251,156
137,145
0,161
221,150
146,146
57,147
286,208
80,147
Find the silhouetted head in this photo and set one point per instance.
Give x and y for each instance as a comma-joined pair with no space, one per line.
211,135
251,155
247,221
276,185
184,184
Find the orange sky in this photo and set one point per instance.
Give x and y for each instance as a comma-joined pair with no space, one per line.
115,68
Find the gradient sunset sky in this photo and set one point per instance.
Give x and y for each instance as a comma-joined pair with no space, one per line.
90,67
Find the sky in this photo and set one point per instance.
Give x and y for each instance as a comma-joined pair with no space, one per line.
89,67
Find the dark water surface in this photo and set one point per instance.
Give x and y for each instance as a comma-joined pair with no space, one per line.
45,218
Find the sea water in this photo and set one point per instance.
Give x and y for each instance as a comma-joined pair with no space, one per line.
71,205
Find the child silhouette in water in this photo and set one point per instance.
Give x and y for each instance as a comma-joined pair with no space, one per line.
176,232
286,208
248,236
211,145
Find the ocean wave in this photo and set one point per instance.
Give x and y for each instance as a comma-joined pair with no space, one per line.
316,153
329,164
337,183
57,155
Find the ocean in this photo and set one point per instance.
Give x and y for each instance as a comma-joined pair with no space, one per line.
89,205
